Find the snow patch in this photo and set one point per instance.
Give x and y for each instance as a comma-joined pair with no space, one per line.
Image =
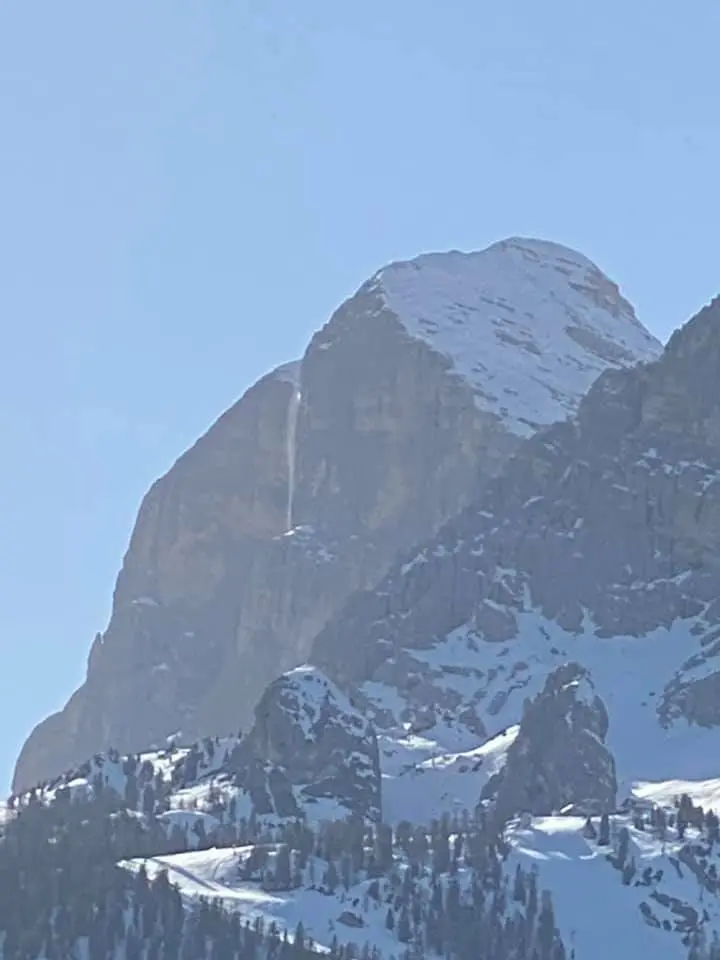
528,324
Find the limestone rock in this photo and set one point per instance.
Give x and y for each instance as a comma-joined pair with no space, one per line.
317,743
559,756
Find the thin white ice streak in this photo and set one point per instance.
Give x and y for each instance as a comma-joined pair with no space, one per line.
290,434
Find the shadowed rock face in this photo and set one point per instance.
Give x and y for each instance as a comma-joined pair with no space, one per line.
369,445
558,756
215,597
306,728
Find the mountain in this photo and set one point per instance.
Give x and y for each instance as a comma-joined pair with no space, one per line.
555,649
130,855
598,544
549,660
88,877
506,747
404,405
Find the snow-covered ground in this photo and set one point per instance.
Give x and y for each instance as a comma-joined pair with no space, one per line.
629,674
422,779
214,874
446,767
528,323
597,914
664,793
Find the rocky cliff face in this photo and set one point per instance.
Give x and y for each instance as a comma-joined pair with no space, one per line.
415,393
559,755
326,749
599,544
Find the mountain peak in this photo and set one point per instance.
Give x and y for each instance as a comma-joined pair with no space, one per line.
528,323
406,403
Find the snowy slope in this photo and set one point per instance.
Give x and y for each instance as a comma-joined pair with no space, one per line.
213,874
598,914
668,890
528,323
427,776
444,766
324,767
628,673
664,793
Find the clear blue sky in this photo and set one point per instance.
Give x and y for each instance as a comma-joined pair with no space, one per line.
188,188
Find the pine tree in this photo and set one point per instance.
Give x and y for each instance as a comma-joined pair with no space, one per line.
346,870
282,879
404,933
299,942
604,835
131,791
629,871
546,928
383,847
623,846
331,877
712,825
589,831
148,800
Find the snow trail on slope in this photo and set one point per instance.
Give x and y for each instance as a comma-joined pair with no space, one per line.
214,874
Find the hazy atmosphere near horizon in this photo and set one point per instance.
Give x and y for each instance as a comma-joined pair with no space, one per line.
188,190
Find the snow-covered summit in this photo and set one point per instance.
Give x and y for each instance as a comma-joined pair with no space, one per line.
528,323
307,696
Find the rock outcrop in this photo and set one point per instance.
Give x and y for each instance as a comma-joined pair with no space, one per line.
559,756
318,742
417,391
